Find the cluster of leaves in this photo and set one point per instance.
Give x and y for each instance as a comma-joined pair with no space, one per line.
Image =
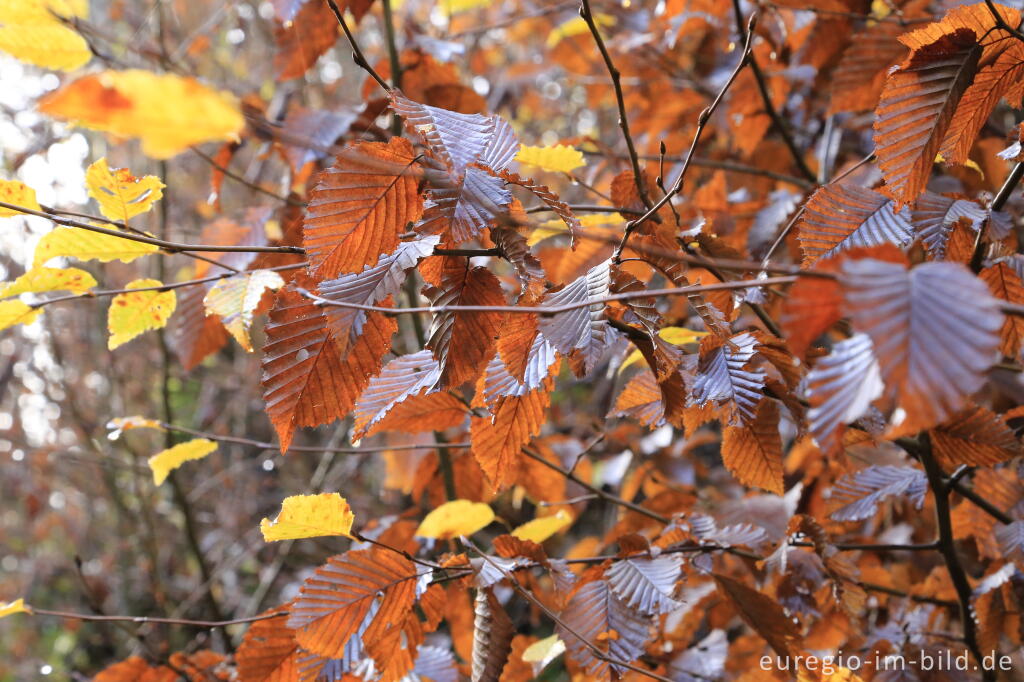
726,412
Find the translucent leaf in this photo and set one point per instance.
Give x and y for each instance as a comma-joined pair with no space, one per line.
371,286
597,615
166,461
753,452
16,606
458,517
497,438
133,313
918,322
559,158
360,206
841,388
640,399
133,103
722,377
73,242
492,637
859,495
309,516
763,614
41,279
934,217
543,527
30,31
120,194
303,39
584,329
917,106
648,585
19,194
841,216
975,437
334,602
268,652
677,336
307,379
235,300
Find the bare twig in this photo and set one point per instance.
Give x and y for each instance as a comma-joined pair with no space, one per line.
357,54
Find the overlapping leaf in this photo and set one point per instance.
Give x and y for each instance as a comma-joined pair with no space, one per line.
723,377
840,216
976,437
120,194
583,330
646,584
763,614
492,637
934,217
840,389
859,495
752,452
498,437
269,652
403,379
234,300
592,611
1006,285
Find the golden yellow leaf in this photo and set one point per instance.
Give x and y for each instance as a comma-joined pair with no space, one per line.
458,517
675,335
559,158
74,242
540,529
120,194
16,606
19,194
132,313
577,26
235,298
450,7
15,312
168,113
42,279
30,31
309,516
544,650
551,228
166,461
118,425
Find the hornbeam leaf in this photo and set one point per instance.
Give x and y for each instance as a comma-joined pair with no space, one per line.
559,158
492,637
917,106
840,389
17,312
120,194
860,76
975,437
934,217
268,652
1006,285
584,329
917,321
309,516
763,614
135,312
19,194
497,439
404,377
645,584
640,399
753,452
40,279
302,40
81,244
166,461
360,205
458,517
840,216
859,495
29,31
235,299
722,377
595,613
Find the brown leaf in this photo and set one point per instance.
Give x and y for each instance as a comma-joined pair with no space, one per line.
601,618
763,614
975,437
1004,284
360,205
301,42
269,652
640,399
514,420
492,637
753,452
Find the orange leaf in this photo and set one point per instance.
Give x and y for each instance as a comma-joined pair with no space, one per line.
753,452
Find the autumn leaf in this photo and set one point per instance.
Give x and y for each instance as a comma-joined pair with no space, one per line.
458,517
753,452
118,425
30,31
120,194
166,461
42,279
543,527
132,103
677,336
309,516
133,313
235,299
16,606
81,244
15,312
19,194
559,158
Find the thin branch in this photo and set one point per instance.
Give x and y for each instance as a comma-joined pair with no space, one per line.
634,161
769,107
153,619
357,53
730,166
1001,24
238,178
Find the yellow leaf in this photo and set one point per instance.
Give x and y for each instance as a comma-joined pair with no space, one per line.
577,26
677,336
450,7
74,242
166,461
30,31
120,194
973,165
309,516
17,193
15,312
42,279
551,228
558,158
118,425
458,517
16,606
544,651
132,313
235,298
168,113
540,529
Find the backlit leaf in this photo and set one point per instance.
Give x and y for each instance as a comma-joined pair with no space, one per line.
19,194
120,194
1005,285
841,388
859,495
133,313
309,516
16,312
16,606
268,652
166,461
133,103
235,299
753,452
41,279
975,437
559,158
458,517
29,31
841,216
73,242
360,206
543,527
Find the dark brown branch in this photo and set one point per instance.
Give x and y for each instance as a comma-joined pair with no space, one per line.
1001,24
153,619
357,54
239,179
